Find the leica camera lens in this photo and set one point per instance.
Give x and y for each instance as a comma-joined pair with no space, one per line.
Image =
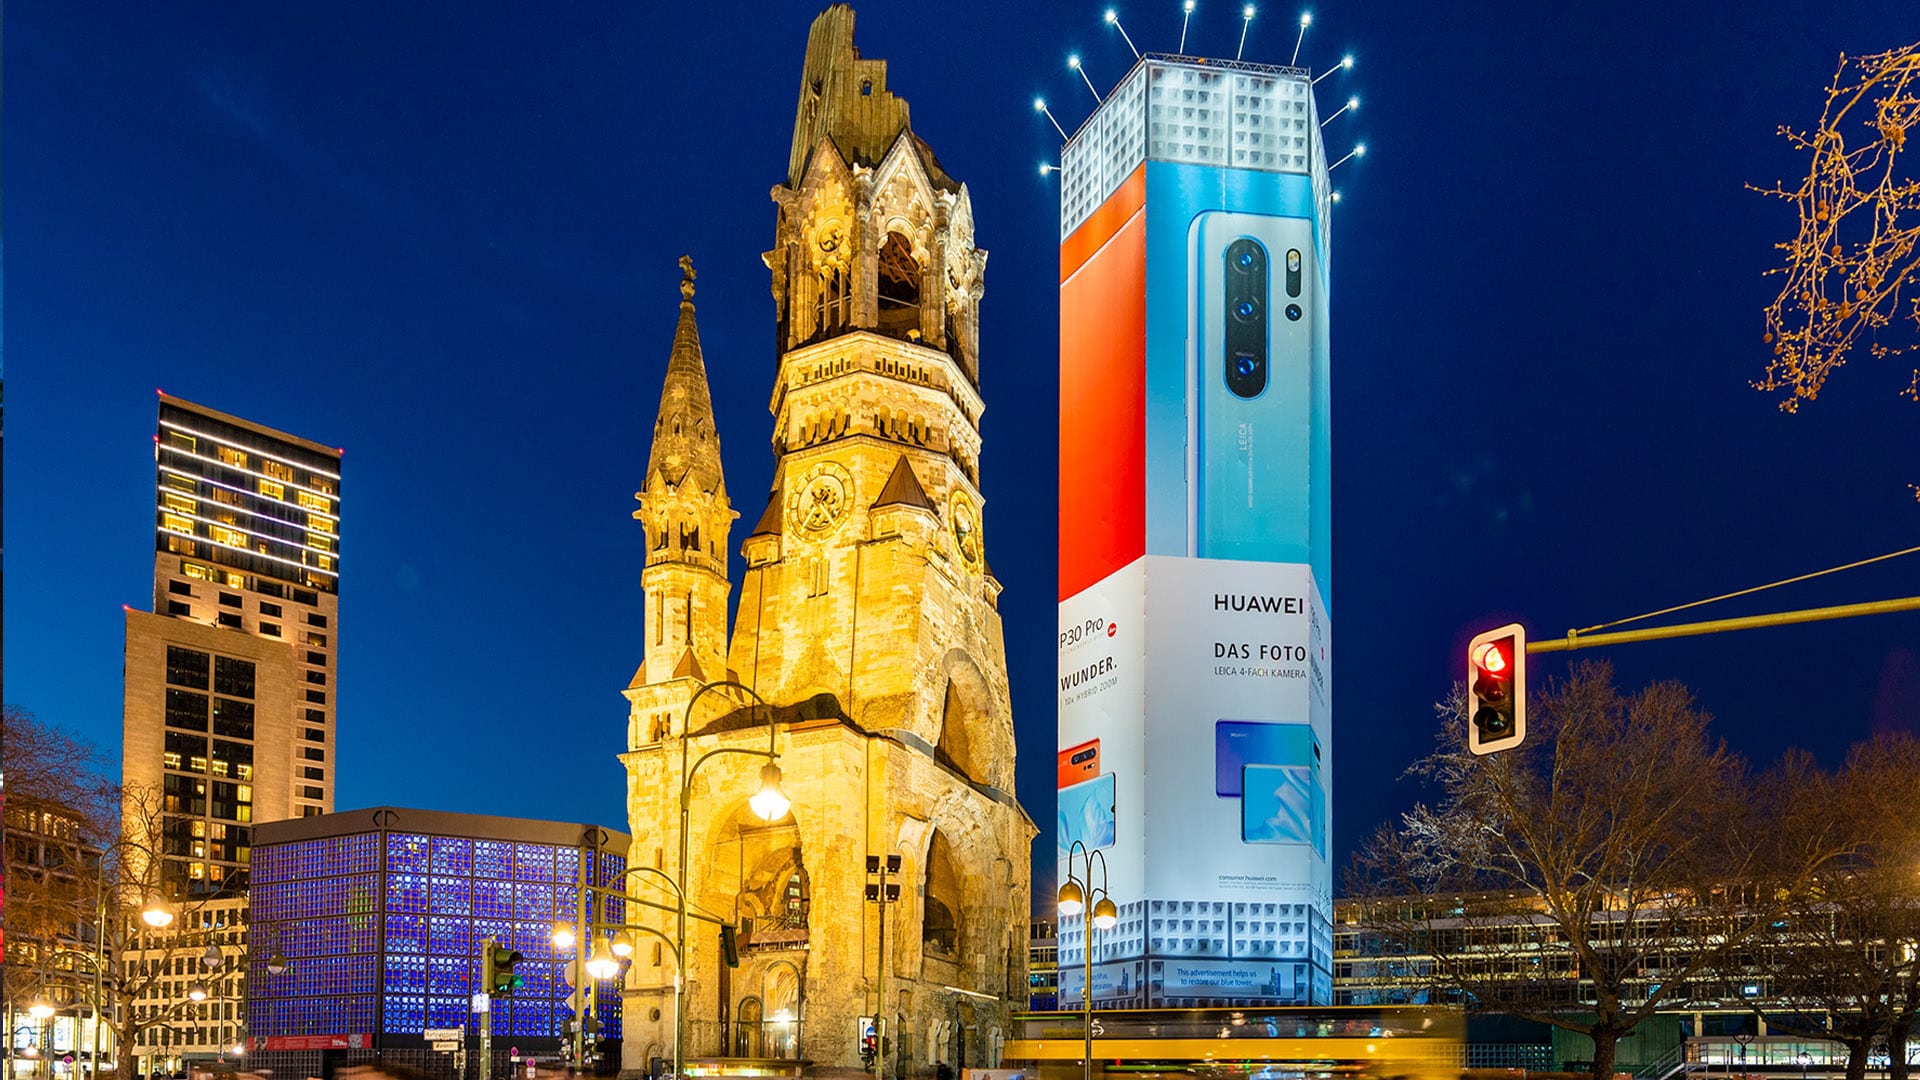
1245,366
1293,312
1245,309
1246,257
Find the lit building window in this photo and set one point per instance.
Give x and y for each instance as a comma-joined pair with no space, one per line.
180,503
198,572
319,524
279,470
176,523
314,502
323,562
319,542
225,535
272,489
230,456
182,440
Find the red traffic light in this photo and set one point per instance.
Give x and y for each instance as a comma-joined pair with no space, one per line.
1496,707
1490,658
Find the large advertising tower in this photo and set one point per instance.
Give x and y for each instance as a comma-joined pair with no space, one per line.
1195,749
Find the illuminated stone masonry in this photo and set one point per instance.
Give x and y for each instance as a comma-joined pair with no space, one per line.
867,620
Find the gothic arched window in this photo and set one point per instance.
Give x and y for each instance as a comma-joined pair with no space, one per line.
899,273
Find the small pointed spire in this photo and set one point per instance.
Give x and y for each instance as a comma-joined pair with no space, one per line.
685,446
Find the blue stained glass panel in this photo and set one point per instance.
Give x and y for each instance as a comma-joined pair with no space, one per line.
406,892
450,936
492,859
452,896
532,862
452,855
406,853
406,933
493,899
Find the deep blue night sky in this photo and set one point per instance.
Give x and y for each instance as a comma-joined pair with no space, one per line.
444,237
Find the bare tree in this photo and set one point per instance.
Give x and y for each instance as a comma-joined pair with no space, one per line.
1851,267
74,914
149,955
1585,880
1843,955
61,816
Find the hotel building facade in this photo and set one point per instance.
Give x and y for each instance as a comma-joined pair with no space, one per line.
230,691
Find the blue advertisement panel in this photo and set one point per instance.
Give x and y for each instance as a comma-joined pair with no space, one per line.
1195,713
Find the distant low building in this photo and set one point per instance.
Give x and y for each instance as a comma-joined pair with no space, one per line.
368,928
1043,966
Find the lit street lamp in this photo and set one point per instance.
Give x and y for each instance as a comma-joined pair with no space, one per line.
156,915
1076,896
769,804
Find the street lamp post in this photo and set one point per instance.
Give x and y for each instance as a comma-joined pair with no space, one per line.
620,946
769,804
1077,895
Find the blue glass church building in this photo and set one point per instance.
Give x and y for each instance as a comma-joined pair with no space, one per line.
374,921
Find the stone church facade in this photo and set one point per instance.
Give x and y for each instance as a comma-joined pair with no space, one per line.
867,623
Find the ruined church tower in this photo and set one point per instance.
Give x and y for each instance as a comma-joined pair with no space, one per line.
867,622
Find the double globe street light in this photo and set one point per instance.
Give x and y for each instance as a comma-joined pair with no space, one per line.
1075,895
769,803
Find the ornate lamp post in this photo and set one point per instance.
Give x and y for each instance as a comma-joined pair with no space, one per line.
769,804
1077,895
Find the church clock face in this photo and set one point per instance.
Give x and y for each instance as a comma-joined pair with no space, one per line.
818,503
963,517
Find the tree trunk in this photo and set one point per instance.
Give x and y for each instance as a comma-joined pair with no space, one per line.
1857,1056
1897,1035
1605,1043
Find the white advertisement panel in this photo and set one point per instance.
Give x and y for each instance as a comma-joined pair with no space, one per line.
1196,758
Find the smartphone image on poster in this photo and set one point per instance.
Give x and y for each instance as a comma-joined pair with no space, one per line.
1087,814
1250,316
1284,804
1077,763
1239,743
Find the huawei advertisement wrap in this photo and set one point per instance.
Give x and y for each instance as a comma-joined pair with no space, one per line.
1195,749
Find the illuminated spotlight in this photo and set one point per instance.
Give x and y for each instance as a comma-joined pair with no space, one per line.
1186,16
1345,64
1073,62
1048,168
1336,196
1246,20
1359,150
1114,18
1306,20
1352,103
1040,106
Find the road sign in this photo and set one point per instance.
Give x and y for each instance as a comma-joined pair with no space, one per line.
446,1045
444,1034
482,1003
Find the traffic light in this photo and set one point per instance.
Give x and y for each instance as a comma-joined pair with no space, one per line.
1497,690
498,962
729,945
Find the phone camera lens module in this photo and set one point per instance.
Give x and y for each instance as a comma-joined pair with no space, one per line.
1246,258
1245,366
1245,310
1293,312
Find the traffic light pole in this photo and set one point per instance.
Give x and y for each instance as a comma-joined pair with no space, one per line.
1574,640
